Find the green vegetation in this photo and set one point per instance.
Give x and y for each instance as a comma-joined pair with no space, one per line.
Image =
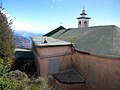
6,83
17,80
6,36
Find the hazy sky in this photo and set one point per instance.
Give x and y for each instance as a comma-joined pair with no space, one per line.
45,15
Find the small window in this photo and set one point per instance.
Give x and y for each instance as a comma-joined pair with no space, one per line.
53,66
85,23
80,23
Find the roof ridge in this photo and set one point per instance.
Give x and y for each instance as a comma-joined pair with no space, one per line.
104,26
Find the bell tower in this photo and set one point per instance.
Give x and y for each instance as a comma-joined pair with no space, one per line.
83,21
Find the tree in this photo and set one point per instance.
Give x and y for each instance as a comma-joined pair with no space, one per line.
6,36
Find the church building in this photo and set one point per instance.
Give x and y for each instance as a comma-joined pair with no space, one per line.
82,58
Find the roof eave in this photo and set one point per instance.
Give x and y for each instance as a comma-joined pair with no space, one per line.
53,45
83,18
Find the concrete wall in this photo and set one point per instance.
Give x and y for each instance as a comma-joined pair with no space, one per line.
100,73
62,86
74,87
61,53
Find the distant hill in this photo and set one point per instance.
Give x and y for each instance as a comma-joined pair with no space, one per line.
22,39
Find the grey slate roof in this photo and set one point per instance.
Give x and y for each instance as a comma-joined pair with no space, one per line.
99,40
69,77
54,31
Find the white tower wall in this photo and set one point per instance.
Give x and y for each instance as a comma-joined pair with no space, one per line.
83,21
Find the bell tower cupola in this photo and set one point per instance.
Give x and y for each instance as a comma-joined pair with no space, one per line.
83,21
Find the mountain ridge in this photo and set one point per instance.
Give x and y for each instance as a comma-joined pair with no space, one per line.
22,38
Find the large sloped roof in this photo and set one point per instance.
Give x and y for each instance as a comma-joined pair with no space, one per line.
54,31
99,40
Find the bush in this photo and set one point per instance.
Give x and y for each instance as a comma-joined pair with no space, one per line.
17,80
6,83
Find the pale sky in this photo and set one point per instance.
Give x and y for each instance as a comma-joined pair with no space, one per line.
42,16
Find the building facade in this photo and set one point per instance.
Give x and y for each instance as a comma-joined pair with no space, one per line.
88,58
